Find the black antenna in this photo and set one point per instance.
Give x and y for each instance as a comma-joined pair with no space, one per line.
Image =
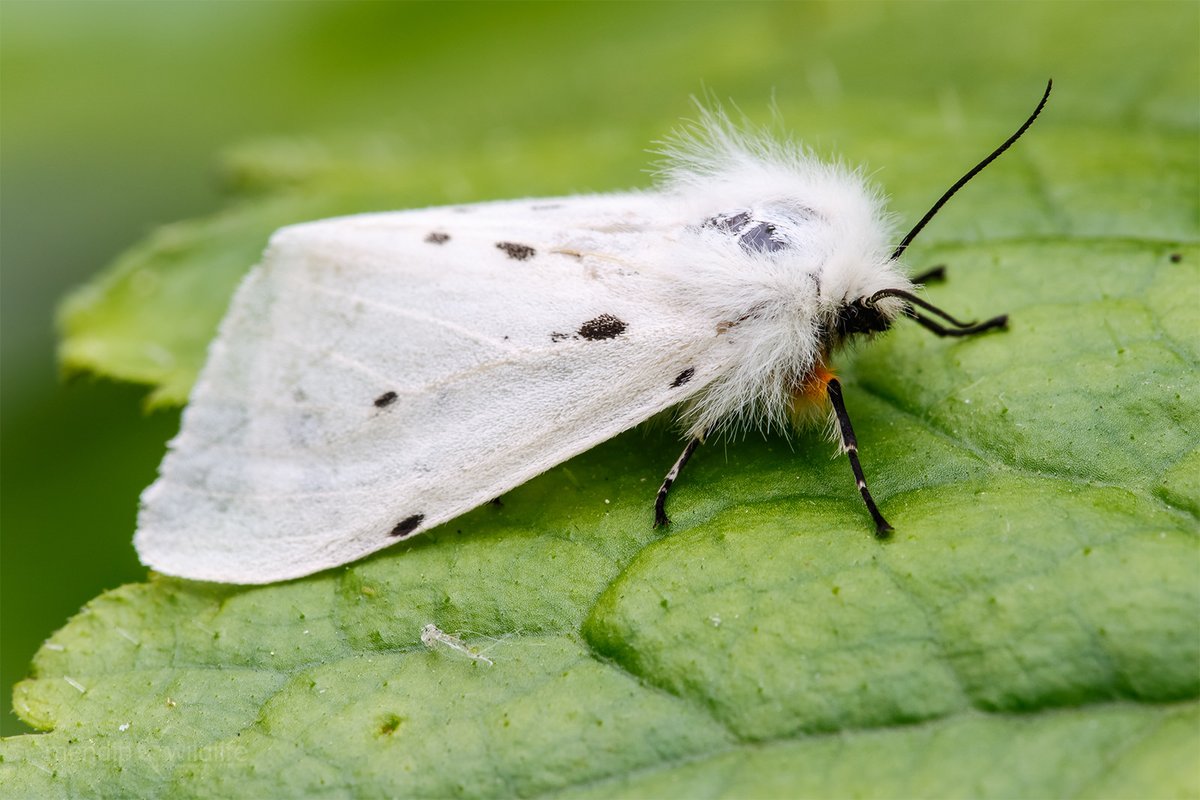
974,171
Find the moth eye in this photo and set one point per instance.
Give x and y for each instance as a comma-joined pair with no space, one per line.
858,317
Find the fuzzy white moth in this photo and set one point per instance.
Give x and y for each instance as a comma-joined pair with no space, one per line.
379,374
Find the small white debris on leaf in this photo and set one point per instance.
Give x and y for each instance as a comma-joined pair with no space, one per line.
432,636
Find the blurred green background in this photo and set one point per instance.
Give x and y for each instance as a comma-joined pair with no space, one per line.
114,115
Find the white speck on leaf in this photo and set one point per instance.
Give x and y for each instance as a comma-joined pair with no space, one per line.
432,636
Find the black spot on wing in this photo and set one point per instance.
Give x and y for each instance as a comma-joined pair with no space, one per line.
559,337
605,326
683,377
407,525
437,237
761,238
728,223
755,235
1176,258
519,252
385,399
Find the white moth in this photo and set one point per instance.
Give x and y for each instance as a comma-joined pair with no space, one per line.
380,374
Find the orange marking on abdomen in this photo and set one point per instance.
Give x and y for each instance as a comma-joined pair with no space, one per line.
810,394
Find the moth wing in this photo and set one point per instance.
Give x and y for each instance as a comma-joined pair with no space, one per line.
378,375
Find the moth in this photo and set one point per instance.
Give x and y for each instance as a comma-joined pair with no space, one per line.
379,374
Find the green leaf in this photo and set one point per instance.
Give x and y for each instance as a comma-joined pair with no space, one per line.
1031,630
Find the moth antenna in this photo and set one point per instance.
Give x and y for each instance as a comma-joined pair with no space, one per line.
904,243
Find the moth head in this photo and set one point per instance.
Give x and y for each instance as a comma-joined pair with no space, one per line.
861,316
865,315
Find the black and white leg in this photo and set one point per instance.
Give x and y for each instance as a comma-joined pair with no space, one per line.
850,445
660,504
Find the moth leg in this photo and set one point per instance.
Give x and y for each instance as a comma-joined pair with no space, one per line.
957,327
660,504
931,275
959,330
850,445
